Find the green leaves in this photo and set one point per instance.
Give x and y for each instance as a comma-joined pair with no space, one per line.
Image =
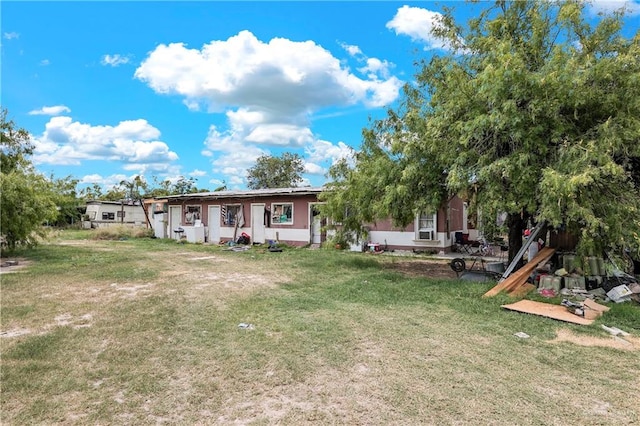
276,172
27,199
539,113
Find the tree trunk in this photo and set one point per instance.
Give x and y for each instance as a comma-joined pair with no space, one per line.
516,225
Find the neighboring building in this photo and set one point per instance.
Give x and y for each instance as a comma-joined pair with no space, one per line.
289,215
111,213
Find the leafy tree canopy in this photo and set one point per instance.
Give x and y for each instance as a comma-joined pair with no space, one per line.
276,172
27,198
533,112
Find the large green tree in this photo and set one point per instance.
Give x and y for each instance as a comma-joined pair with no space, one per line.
532,111
27,199
276,172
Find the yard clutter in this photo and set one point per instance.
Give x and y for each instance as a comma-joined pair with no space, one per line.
582,283
554,274
584,313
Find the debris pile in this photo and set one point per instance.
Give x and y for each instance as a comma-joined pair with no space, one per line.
582,283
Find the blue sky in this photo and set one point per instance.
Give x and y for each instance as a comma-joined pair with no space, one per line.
111,90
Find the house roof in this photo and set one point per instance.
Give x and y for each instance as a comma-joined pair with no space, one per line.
214,195
118,203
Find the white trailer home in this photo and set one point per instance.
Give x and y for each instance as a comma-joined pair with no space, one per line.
112,213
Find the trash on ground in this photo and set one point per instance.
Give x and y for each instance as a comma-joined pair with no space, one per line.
245,326
522,335
558,312
614,331
620,294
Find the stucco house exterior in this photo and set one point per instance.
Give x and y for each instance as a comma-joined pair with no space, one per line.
430,231
291,216
287,215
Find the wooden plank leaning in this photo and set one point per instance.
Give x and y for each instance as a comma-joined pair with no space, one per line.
533,237
519,277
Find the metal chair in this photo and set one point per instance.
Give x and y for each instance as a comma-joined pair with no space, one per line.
462,243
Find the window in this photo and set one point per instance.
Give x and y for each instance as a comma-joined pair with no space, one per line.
282,214
191,214
230,213
427,226
108,216
121,213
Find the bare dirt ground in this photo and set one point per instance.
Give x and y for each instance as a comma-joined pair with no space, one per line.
12,264
424,268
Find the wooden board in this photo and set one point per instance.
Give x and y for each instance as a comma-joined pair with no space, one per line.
548,310
522,290
519,277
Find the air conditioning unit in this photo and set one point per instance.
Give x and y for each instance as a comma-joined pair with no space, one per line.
426,235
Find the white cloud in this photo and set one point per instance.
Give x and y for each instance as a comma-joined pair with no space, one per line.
314,169
351,49
418,24
11,35
45,62
231,155
197,173
375,67
281,76
132,142
632,8
114,60
268,92
108,180
50,110
325,152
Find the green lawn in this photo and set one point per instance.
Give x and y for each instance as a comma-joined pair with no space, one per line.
144,331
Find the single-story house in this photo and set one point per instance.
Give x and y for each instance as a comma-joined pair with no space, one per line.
430,231
112,213
291,216
287,215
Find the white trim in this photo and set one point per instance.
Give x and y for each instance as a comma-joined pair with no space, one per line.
282,204
433,230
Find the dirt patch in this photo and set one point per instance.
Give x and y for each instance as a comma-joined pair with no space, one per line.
627,343
13,264
423,268
15,332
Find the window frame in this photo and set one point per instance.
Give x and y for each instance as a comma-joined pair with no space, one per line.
109,216
433,230
195,213
281,205
223,217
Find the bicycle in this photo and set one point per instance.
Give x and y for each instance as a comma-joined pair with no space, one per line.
485,248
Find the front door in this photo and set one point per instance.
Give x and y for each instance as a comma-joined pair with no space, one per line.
257,223
175,221
317,235
214,224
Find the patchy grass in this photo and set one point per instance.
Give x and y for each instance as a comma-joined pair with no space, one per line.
145,331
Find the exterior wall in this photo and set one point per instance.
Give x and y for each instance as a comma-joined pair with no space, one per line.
133,215
448,220
298,233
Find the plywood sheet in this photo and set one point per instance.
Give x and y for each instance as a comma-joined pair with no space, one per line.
520,276
548,310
